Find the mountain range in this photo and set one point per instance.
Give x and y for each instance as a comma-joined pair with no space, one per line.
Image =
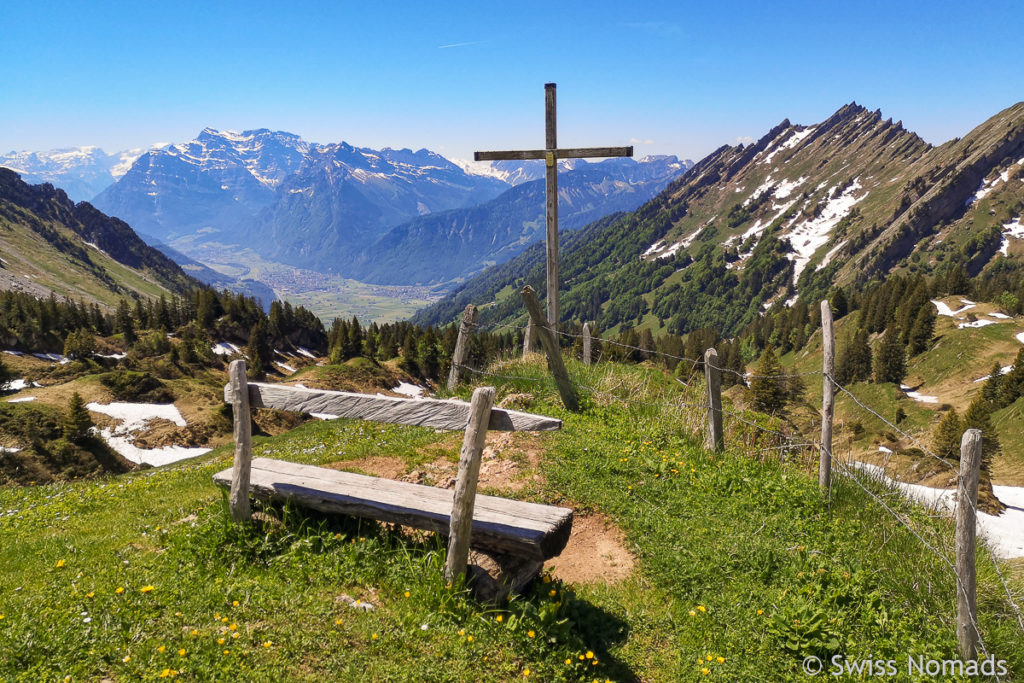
804,209
50,244
82,172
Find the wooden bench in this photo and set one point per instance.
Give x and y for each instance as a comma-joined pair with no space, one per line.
527,533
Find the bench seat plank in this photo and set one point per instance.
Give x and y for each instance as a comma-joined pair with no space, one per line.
511,527
420,412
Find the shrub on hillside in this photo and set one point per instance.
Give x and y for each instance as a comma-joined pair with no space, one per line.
142,387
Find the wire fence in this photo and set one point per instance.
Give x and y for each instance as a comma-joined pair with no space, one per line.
783,438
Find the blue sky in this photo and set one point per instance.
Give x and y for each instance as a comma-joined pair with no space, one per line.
670,77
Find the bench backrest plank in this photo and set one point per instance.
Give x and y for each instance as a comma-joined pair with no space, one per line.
419,412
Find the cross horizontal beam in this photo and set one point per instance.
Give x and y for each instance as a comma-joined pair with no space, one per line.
567,153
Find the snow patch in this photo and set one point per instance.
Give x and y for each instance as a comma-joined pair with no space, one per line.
305,352
226,349
944,309
977,323
883,449
1020,337
1004,533
15,385
1002,371
831,253
807,237
285,366
1012,229
1001,316
23,399
917,396
134,417
407,389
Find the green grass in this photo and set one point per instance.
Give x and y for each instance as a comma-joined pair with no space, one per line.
737,558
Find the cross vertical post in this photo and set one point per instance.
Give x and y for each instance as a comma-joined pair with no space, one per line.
551,194
551,154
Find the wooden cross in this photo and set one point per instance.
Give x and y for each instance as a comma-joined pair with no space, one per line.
551,154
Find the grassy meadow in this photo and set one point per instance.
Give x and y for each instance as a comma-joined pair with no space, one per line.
741,568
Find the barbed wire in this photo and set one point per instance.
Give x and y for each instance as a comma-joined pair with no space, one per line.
790,444
900,518
1006,588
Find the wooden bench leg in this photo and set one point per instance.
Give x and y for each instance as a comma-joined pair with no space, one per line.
238,499
465,483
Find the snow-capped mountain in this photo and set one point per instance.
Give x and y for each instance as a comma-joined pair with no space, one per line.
215,183
519,172
82,172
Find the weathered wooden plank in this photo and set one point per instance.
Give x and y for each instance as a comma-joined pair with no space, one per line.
551,207
551,348
238,500
507,526
462,345
828,356
420,412
966,531
564,153
465,483
714,439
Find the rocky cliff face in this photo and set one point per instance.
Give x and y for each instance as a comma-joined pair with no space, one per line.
804,208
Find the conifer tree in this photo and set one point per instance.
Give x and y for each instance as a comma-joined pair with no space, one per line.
409,362
258,350
890,358
921,330
124,323
854,361
5,374
76,423
947,434
768,388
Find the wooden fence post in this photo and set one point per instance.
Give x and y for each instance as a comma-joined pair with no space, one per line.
238,500
713,380
586,343
550,344
827,396
528,339
966,503
461,345
461,523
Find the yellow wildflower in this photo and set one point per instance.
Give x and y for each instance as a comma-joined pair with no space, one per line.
568,662
126,659
233,627
161,648
220,641
146,589
552,593
90,594
234,603
530,634
692,613
499,618
270,643
120,589
526,672
234,635
60,563
590,655
760,612
407,594
705,671
181,652
721,660
373,637
227,651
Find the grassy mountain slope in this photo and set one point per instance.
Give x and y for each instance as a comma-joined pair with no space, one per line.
741,569
802,209
49,244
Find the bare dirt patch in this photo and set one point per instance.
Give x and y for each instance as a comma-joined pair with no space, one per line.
160,432
596,553
383,466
